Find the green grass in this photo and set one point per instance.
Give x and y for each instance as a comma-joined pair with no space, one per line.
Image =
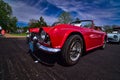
20,34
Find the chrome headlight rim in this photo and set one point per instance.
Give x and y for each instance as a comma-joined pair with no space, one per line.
43,35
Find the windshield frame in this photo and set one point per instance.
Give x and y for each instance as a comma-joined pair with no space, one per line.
91,21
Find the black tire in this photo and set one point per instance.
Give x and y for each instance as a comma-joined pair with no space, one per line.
72,50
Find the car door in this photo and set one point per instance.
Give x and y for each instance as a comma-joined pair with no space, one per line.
97,36
93,37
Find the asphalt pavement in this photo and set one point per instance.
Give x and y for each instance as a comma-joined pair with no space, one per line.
17,64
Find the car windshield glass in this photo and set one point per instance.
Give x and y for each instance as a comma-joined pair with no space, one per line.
86,24
76,24
55,23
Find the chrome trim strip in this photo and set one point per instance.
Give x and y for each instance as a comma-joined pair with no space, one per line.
44,48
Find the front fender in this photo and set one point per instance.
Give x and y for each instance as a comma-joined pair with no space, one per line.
59,36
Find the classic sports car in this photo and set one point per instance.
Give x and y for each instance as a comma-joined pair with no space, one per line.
70,40
114,36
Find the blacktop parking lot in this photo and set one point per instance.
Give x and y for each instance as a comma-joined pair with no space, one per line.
16,64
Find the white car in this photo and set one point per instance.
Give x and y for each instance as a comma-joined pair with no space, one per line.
114,36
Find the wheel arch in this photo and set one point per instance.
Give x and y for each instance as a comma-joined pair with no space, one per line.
105,37
80,34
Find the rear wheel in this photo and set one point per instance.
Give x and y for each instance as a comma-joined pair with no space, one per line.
72,50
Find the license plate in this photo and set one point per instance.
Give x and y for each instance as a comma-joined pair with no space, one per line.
31,46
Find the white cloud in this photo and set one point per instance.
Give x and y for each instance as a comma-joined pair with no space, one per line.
84,9
87,10
25,12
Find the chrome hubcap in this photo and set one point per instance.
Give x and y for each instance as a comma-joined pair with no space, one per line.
75,50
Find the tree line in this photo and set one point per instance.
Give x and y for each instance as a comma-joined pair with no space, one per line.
64,17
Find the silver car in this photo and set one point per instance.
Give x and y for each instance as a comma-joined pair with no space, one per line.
114,36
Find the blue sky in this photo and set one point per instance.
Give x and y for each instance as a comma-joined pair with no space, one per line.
103,12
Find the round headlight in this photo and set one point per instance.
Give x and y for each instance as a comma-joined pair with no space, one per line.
43,35
115,36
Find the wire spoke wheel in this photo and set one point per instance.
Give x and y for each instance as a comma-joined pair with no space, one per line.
72,50
75,50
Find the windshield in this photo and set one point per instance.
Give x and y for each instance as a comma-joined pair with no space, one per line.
55,23
82,23
86,24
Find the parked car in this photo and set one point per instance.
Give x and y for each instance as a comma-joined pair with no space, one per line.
70,40
114,36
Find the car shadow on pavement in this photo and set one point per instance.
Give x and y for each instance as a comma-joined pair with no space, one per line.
50,60
113,43
44,58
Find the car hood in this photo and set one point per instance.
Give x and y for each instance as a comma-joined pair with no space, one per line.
62,26
49,29
110,35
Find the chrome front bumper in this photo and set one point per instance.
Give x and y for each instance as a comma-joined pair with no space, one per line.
48,49
42,47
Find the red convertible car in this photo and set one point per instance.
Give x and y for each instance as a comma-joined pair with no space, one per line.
70,40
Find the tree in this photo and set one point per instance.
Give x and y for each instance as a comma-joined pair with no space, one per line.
37,23
6,20
108,28
33,23
114,26
42,22
77,19
65,17
5,12
12,24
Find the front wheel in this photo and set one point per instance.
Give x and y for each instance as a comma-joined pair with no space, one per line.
72,50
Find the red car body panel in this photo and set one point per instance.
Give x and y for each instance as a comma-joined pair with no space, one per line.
35,30
58,35
92,38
